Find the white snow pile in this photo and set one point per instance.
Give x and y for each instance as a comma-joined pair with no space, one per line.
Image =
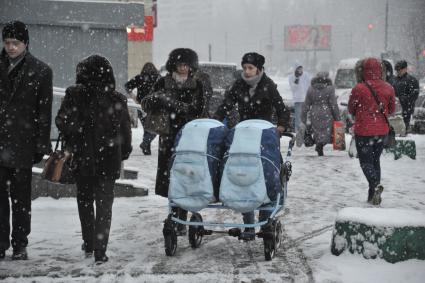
382,217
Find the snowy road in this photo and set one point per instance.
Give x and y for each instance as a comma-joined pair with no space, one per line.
318,188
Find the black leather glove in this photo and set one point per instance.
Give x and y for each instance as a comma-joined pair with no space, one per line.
38,157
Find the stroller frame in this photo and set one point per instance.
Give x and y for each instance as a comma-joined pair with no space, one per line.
271,228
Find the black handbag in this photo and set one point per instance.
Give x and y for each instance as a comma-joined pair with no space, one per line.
308,136
388,140
157,121
59,167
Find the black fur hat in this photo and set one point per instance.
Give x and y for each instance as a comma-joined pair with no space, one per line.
182,55
17,30
95,70
254,58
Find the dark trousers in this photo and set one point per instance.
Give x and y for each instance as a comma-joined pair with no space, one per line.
16,183
95,226
407,111
148,137
369,150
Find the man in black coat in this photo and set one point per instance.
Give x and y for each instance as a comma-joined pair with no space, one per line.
407,90
25,116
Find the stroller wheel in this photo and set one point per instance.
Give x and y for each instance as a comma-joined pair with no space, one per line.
272,239
170,236
195,232
278,235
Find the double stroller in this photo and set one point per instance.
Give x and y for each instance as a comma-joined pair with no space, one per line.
240,169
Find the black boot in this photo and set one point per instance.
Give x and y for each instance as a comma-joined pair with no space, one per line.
88,251
2,254
100,257
20,254
371,192
146,148
319,149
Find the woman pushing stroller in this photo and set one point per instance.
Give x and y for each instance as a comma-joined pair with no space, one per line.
256,96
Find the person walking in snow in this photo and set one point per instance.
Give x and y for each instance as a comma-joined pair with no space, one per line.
320,103
25,120
256,96
96,129
370,125
407,90
143,83
299,83
181,96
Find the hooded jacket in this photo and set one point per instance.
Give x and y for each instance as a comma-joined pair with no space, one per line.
299,90
369,121
320,102
94,120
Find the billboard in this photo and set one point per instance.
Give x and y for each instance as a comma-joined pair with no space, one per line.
307,37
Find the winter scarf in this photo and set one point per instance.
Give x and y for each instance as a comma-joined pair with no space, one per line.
253,82
180,80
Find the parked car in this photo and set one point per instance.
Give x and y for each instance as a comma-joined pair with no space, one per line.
422,86
222,76
345,80
59,94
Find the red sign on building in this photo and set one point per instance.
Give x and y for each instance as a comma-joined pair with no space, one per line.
144,33
301,38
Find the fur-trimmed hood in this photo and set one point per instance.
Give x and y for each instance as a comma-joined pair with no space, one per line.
321,80
182,55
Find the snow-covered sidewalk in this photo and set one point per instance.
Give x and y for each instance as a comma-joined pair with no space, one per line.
318,189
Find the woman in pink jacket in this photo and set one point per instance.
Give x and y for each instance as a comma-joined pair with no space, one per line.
370,124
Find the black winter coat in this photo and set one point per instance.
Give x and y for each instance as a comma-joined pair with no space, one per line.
143,83
407,90
25,111
259,106
185,105
96,127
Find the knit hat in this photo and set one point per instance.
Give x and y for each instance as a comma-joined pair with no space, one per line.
253,58
401,65
17,30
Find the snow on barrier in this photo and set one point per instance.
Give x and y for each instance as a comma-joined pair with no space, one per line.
391,234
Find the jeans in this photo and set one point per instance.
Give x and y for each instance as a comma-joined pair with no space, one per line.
369,150
297,112
95,227
17,183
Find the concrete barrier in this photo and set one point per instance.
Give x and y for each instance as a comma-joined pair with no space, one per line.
43,188
391,234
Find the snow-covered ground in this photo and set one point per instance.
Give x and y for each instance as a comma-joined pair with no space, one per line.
318,189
